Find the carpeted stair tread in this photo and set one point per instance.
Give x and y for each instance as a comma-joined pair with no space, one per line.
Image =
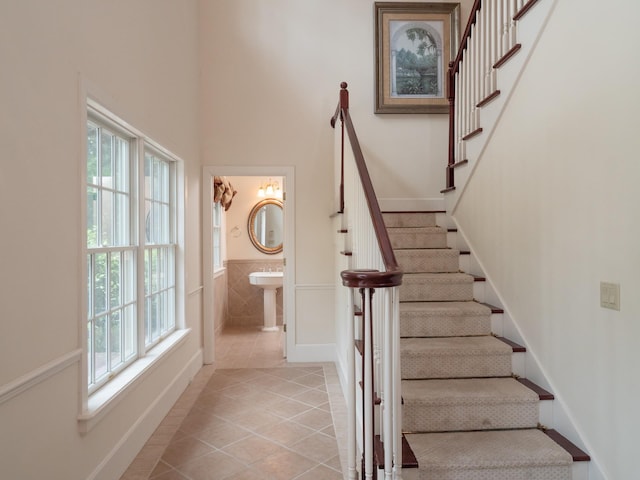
428,260
490,455
444,319
436,287
468,404
454,357
406,219
418,237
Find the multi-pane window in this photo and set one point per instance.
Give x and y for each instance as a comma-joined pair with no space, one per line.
130,248
159,250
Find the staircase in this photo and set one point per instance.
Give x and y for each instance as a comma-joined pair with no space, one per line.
466,416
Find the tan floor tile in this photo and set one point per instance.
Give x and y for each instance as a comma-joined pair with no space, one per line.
213,466
185,450
321,472
254,419
285,465
312,397
317,447
161,468
171,475
253,448
334,463
250,474
287,408
228,401
316,419
311,380
288,389
222,435
286,433
329,431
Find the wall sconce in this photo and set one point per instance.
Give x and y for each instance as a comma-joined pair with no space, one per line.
272,189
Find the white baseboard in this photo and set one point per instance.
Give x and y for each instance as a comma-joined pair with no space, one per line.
412,204
125,451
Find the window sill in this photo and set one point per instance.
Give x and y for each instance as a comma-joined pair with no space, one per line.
104,400
218,272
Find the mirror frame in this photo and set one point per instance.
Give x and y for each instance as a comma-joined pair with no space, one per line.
252,216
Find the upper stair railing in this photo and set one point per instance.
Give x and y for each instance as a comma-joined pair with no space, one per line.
373,266
488,41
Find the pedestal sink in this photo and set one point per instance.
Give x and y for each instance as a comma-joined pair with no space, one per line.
269,282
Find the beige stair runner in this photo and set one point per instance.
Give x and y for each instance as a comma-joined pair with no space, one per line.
464,415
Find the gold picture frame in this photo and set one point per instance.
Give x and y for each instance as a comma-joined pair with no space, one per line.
414,44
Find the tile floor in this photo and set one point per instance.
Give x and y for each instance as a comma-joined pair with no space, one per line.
252,415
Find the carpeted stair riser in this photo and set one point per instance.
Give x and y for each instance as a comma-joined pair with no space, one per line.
423,237
436,287
492,455
457,357
436,260
444,319
409,220
470,420
454,405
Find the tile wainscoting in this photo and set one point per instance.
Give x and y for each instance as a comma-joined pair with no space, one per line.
246,301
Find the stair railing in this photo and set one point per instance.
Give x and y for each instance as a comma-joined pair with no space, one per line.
488,41
373,267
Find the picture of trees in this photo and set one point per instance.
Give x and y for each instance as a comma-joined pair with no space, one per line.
416,59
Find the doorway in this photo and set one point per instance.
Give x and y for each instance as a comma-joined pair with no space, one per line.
287,174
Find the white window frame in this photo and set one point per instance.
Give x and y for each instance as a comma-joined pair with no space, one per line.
96,401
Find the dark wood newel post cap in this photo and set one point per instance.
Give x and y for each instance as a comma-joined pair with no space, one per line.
344,96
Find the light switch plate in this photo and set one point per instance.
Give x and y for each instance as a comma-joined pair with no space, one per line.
610,295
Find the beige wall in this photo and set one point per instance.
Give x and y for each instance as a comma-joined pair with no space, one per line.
140,60
552,210
270,80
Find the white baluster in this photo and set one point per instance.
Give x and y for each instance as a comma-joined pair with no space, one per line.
367,393
397,385
387,397
351,392
513,30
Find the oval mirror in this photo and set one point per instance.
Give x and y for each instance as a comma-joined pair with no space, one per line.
265,226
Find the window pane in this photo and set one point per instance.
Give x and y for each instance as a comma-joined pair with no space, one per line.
89,288
147,272
171,309
100,283
92,153
90,352
106,219
100,346
115,333
121,219
121,165
115,280
147,320
92,217
106,158
154,270
129,283
130,332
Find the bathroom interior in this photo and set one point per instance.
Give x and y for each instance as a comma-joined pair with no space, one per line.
248,257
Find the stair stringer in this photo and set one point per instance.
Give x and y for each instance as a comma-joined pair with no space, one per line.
529,30
554,414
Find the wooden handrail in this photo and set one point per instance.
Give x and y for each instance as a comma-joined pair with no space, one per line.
392,276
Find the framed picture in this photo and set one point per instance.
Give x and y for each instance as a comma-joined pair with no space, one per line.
414,44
